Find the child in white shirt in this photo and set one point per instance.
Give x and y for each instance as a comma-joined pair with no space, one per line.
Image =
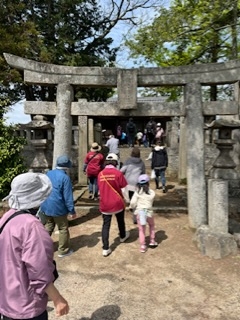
142,203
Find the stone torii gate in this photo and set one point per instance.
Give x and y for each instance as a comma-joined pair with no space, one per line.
191,111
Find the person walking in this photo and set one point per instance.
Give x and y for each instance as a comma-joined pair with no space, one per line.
142,204
60,204
139,137
119,133
93,164
159,158
113,145
111,181
159,133
132,168
26,255
131,132
151,131
145,138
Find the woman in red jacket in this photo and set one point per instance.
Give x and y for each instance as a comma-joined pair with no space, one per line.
93,164
110,183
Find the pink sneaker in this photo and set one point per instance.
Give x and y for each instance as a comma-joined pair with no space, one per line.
143,249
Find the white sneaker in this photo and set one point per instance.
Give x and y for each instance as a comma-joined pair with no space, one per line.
107,252
65,254
127,235
153,244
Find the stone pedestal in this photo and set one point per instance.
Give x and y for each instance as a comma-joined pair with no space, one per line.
39,163
218,205
214,240
214,245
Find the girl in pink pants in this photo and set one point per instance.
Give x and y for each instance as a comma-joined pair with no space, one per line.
142,203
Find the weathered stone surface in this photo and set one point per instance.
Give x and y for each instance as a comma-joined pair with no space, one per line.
43,73
220,107
195,156
127,89
82,107
214,245
237,239
218,205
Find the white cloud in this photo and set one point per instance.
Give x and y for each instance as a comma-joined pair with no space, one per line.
16,114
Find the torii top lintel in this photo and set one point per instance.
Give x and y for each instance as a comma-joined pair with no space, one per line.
45,74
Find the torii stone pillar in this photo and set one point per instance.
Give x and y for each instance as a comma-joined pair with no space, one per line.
90,132
195,156
83,148
182,171
63,122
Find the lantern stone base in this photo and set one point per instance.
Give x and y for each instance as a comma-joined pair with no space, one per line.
214,245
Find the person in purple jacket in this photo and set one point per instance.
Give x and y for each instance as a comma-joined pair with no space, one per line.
26,255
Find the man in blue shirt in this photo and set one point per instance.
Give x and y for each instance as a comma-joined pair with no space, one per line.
60,204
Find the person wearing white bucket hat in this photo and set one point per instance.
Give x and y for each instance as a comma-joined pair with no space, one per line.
28,191
26,255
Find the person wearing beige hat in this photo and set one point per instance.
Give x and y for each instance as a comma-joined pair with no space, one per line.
26,255
93,164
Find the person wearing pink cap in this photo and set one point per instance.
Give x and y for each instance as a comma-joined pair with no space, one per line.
142,203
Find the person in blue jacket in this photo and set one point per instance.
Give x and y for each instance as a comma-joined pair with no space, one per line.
60,204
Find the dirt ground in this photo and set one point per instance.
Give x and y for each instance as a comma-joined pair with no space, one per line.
172,282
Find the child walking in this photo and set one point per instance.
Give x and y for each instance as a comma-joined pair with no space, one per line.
142,203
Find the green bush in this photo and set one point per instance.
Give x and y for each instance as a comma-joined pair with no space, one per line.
11,161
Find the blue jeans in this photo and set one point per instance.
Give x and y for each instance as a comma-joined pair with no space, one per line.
93,186
160,173
131,140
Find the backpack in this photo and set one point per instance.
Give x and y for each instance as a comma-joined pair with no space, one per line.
131,127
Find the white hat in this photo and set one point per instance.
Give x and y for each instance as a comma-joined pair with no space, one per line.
112,156
143,178
28,190
158,124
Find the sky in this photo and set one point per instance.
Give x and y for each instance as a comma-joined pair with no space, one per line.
16,113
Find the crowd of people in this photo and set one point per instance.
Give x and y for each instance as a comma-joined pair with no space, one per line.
132,135
26,255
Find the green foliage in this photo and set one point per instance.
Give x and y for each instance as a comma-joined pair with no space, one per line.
11,162
189,32
62,32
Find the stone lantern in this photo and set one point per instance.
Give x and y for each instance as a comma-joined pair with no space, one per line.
214,239
224,166
40,133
